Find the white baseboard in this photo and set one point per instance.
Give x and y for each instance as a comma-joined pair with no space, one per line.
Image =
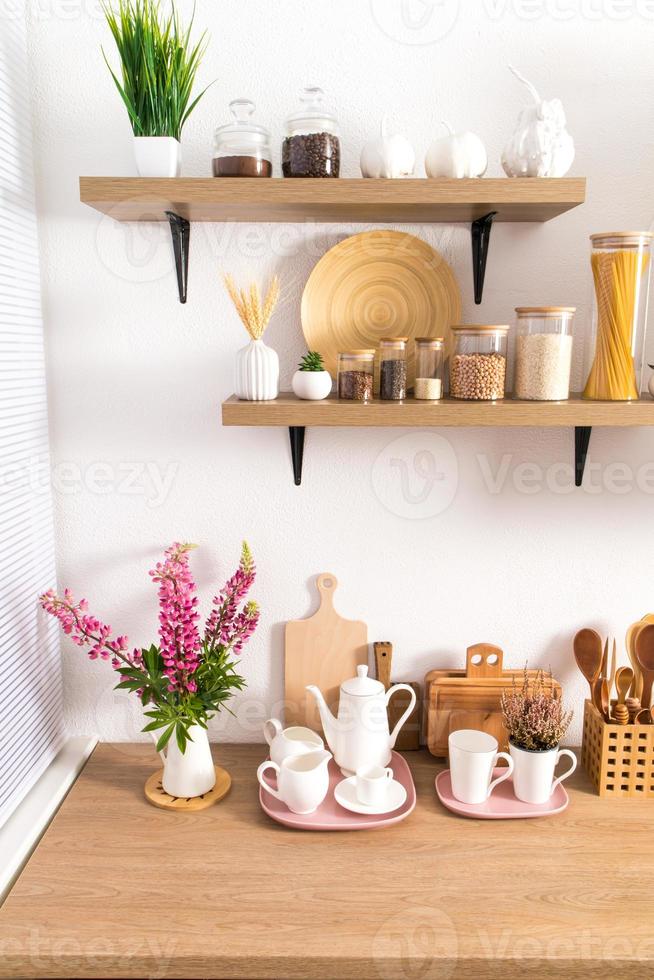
22,831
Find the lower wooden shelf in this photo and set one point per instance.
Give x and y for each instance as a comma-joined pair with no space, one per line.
577,413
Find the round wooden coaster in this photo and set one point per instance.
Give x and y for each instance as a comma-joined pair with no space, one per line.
155,794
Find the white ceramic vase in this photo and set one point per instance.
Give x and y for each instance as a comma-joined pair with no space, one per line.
533,773
158,156
192,772
257,373
312,385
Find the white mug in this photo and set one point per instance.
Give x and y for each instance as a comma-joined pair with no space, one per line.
372,784
473,756
533,773
302,780
287,742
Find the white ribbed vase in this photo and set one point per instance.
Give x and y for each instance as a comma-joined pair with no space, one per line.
257,372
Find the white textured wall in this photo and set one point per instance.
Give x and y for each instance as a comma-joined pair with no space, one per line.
135,378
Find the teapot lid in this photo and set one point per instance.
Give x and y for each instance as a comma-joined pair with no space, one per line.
362,685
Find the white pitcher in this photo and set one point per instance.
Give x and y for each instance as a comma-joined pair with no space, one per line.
286,742
192,772
302,780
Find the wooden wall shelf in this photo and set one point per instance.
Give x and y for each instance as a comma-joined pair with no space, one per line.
287,410
478,201
346,199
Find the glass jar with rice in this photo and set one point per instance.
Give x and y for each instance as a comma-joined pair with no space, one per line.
543,352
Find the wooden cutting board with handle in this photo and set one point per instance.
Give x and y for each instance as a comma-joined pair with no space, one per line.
470,698
408,739
324,650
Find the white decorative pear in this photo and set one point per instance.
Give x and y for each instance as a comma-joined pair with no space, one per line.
541,146
387,156
456,155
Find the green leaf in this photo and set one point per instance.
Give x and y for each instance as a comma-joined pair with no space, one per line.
165,738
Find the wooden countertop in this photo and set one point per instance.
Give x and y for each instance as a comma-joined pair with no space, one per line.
119,889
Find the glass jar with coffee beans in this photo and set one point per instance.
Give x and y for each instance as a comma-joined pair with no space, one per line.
478,362
392,368
356,369
311,147
241,147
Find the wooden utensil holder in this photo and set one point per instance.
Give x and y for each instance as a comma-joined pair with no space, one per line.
619,759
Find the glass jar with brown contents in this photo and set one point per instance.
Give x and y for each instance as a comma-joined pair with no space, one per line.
355,375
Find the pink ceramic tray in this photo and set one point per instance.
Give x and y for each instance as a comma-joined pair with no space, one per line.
331,816
501,804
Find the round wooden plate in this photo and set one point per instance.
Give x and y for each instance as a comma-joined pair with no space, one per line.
378,284
155,794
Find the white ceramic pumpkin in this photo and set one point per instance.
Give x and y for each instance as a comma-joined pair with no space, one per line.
456,155
387,156
540,146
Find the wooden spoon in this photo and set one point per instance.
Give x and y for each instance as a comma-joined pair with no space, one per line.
644,717
630,643
587,647
623,680
645,657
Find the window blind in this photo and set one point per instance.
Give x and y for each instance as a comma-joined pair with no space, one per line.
31,716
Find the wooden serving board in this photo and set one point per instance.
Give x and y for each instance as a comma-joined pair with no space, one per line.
324,650
469,698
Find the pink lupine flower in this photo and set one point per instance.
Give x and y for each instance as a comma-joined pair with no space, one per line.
178,616
85,630
225,624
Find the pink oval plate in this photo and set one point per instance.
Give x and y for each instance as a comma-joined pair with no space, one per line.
331,816
501,804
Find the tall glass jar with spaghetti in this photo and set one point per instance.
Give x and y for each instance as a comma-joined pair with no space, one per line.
621,263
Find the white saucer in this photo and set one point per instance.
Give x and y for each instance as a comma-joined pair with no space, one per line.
345,794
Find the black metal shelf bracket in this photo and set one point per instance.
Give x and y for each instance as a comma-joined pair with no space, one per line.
480,234
180,230
296,433
582,439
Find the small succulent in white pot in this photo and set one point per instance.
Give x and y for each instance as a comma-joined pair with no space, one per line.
311,382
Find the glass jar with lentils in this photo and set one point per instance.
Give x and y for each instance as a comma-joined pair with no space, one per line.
478,362
392,368
356,370
311,147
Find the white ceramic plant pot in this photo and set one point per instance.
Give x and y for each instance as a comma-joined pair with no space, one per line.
158,156
257,373
533,773
312,385
190,773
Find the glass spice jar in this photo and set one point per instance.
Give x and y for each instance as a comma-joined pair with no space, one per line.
478,363
392,368
430,361
621,263
543,352
356,369
311,147
242,148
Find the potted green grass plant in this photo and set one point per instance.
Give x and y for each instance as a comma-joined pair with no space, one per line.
158,67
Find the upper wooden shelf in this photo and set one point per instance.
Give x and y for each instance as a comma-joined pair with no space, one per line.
345,199
287,410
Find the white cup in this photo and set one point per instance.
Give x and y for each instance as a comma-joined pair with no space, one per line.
533,775
473,756
287,742
372,784
302,780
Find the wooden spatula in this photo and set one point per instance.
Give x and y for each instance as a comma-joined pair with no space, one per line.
645,657
587,647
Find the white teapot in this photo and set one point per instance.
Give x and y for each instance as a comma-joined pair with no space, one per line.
359,736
